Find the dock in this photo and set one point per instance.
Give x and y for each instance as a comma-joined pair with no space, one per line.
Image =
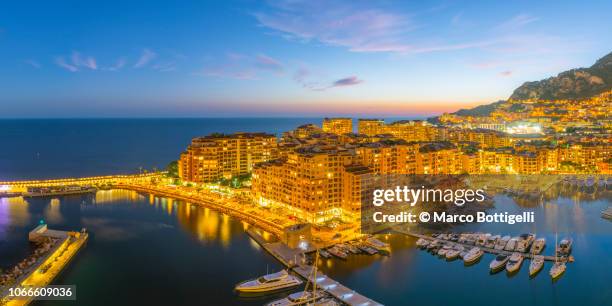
49,266
468,246
291,259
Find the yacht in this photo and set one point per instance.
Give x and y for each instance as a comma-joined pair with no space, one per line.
353,249
434,246
454,252
378,245
536,265
511,244
565,247
514,263
557,270
472,256
367,249
524,242
491,241
324,253
422,243
299,298
270,282
442,252
538,245
337,252
482,239
471,239
499,263
501,243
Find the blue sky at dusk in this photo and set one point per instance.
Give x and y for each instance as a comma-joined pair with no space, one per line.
284,58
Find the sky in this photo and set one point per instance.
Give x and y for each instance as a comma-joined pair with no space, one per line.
284,58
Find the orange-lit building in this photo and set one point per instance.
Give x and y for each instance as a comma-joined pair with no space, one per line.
338,125
219,156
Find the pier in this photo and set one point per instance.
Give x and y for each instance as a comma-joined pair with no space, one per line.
48,267
468,246
291,259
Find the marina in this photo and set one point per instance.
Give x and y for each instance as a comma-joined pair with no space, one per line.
483,248
291,258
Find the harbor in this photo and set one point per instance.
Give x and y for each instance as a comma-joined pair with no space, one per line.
57,251
293,259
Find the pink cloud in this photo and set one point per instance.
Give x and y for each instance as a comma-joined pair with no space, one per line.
146,57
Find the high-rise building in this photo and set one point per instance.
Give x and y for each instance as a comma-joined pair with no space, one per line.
219,156
370,127
338,125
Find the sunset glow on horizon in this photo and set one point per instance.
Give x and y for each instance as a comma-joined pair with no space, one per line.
284,58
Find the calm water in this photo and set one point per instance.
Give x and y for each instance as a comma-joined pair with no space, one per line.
147,250
81,147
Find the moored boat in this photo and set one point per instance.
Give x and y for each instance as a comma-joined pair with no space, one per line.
499,263
557,270
536,265
491,241
270,282
324,253
514,263
511,245
565,247
472,256
337,252
422,243
378,245
299,298
454,252
538,245
501,243
442,252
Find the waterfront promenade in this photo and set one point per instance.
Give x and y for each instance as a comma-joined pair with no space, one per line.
84,181
265,220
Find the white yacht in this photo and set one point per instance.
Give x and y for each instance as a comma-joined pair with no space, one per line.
442,252
499,263
514,263
511,246
454,252
538,245
299,298
270,282
378,245
482,239
524,242
536,265
557,270
501,243
473,256
421,243
565,247
491,241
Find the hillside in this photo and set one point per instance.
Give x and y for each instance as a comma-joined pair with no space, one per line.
573,84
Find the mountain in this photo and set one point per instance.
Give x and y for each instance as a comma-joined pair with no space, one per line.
573,84
480,110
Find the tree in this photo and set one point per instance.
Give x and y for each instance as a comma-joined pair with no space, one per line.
172,169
